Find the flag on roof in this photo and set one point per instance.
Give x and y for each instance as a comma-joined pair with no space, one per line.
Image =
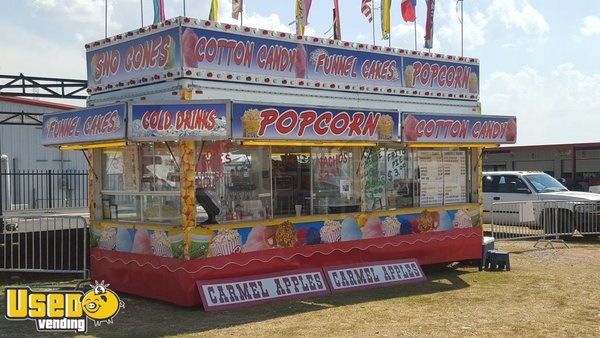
367,10
408,10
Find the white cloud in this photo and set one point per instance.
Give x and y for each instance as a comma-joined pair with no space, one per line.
519,15
31,54
551,108
590,26
404,35
474,27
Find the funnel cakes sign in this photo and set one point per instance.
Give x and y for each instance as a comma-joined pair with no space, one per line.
84,125
437,128
251,121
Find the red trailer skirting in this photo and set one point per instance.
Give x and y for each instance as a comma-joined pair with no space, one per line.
173,280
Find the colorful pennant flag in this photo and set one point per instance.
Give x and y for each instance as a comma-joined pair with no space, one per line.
385,18
214,11
367,10
408,10
302,10
236,8
337,27
159,11
429,24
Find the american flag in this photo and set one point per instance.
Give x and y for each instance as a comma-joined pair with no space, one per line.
366,9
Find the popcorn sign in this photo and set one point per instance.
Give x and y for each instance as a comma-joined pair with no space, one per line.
308,123
84,125
436,128
175,121
221,294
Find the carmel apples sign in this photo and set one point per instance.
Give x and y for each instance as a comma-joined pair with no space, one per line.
438,128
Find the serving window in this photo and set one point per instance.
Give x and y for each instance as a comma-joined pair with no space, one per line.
141,182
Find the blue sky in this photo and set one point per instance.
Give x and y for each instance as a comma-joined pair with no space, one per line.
539,58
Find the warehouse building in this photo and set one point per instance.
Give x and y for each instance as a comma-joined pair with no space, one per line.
577,163
33,176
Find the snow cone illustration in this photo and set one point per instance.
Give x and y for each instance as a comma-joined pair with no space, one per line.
171,48
445,222
331,231
141,242
372,228
300,62
225,243
409,76
188,46
410,128
350,230
124,240
385,127
390,226
251,122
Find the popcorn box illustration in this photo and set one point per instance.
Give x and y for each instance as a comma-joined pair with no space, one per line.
409,76
473,83
385,127
251,123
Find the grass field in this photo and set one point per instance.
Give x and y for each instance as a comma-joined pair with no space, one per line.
548,292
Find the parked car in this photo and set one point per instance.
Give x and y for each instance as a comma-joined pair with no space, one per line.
574,209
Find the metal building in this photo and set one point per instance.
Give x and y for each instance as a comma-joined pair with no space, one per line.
577,163
33,176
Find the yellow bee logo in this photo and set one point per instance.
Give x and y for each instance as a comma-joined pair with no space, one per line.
101,304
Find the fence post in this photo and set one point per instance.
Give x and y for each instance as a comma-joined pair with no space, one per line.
556,236
49,183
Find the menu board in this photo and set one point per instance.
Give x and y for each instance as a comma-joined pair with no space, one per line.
455,177
431,172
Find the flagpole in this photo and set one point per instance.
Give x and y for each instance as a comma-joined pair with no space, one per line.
184,8
373,18
242,13
415,24
105,19
461,28
142,11
390,32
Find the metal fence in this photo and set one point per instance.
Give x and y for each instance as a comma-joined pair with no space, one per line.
56,244
43,189
544,219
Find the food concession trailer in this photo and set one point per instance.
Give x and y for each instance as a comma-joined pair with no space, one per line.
219,152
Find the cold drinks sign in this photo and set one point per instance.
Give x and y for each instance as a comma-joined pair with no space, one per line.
437,128
178,121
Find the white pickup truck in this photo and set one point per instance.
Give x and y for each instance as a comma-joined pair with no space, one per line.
574,209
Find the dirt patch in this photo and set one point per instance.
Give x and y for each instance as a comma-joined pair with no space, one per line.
548,292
